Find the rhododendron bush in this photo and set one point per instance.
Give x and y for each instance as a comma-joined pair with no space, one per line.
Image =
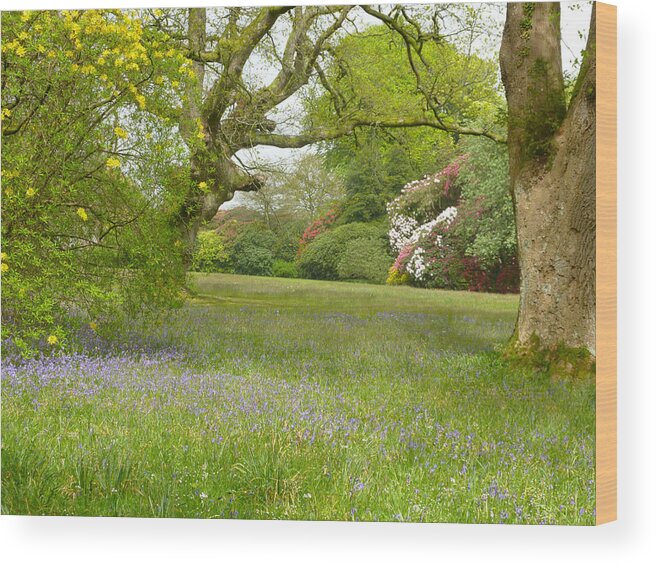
455,229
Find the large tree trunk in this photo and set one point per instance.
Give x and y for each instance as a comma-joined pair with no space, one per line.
552,173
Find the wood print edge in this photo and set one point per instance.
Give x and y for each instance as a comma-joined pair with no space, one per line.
606,264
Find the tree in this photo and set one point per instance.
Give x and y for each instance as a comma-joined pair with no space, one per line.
225,112
551,149
552,175
372,72
310,188
88,154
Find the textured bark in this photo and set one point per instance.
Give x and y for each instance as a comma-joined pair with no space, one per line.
552,170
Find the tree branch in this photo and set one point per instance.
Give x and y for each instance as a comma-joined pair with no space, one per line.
326,134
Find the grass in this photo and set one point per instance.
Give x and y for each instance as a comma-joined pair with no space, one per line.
295,399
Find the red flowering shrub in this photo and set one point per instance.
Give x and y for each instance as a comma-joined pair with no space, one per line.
318,226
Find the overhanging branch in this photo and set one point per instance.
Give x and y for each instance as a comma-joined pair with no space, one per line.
327,134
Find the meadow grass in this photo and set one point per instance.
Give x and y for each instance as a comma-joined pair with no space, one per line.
295,399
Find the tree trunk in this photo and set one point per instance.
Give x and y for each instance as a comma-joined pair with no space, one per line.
552,174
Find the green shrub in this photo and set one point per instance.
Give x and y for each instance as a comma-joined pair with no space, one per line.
321,258
254,235
285,269
364,259
252,260
210,255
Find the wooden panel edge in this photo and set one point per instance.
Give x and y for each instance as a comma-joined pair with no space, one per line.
606,264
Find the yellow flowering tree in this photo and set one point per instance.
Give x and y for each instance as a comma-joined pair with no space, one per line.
89,100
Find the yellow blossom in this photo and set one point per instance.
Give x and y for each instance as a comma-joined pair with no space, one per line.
113,163
83,214
141,100
52,339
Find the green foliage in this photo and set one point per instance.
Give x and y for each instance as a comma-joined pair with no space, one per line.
364,259
210,255
321,258
253,260
373,68
251,252
287,236
284,269
376,169
486,211
254,235
87,148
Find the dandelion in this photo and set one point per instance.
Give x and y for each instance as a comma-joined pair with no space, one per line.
83,214
113,163
52,339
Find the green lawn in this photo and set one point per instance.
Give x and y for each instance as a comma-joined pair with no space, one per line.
276,398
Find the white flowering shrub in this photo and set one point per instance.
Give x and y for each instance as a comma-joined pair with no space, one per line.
453,230
416,219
